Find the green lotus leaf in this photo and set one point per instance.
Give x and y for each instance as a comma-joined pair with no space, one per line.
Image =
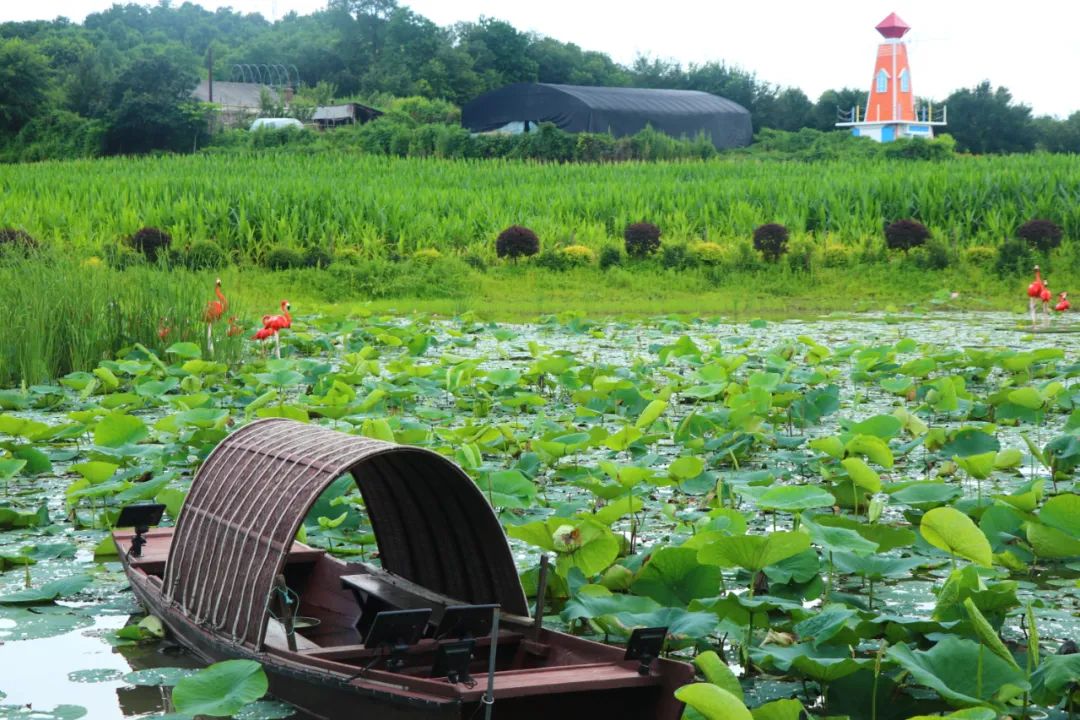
221,689
673,577
963,672
713,702
753,552
952,531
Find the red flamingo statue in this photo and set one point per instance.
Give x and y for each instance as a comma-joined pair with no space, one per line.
214,310
234,329
272,324
1034,292
163,329
1045,296
1063,302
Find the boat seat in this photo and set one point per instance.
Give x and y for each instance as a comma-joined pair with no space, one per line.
277,638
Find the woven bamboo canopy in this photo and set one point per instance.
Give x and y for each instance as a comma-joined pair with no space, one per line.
432,524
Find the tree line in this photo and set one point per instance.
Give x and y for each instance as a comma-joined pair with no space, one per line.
120,82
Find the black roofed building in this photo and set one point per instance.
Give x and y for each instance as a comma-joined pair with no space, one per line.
619,111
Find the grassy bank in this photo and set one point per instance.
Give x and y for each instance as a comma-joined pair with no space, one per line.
64,314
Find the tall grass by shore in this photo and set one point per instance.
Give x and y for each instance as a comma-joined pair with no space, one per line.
61,313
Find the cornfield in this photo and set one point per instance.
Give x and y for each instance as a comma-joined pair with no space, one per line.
378,205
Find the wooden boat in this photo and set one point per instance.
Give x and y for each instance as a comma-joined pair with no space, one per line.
220,579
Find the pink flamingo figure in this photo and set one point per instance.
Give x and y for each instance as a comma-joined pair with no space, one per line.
214,310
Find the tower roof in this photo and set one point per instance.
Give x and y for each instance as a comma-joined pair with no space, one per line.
893,26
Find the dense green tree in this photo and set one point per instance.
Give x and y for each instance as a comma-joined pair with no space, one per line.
151,104
127,71
985,120
24,84
831,102
1058,136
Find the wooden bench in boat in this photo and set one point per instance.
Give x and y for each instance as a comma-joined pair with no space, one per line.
159,541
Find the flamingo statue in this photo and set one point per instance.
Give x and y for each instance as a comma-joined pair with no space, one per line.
163,329
1034,292
273,324
1063,302
214,310
1045,297
234,329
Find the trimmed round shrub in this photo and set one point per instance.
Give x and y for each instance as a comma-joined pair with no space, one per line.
610,256
517,241
1013,256
771,240
317,257
707,253
838,255
932,256
281,257
980,256
676,256
1042,235
15,239
427,255
642,239
205,255
579,254
906,234
800,255
553,260
151,242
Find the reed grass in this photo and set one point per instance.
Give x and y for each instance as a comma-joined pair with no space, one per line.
63,314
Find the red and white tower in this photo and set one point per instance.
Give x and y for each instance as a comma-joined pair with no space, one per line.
890,111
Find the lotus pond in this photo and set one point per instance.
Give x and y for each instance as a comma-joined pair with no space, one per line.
872,517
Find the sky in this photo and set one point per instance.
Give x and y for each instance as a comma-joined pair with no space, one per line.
810,45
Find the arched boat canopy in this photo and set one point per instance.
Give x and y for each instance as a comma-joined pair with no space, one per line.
432,524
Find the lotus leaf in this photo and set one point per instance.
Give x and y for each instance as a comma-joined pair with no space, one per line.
674,576
952,531
713,702
221,689
961,671
753,552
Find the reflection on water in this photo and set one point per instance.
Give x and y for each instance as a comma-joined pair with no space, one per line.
36,672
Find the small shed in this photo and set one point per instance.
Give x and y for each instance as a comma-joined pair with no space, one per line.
619,111
328,116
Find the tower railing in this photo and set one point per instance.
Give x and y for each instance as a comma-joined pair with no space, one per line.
928,113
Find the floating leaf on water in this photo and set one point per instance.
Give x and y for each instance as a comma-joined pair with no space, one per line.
95,676
265,710
221,689
48,592
60,712
160,676
41,622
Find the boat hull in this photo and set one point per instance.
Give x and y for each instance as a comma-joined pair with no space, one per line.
331,696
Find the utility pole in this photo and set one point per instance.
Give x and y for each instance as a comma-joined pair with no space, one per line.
210,71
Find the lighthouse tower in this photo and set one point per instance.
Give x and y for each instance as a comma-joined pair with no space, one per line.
890,111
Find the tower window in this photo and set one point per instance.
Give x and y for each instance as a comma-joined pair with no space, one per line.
882,81
905,81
